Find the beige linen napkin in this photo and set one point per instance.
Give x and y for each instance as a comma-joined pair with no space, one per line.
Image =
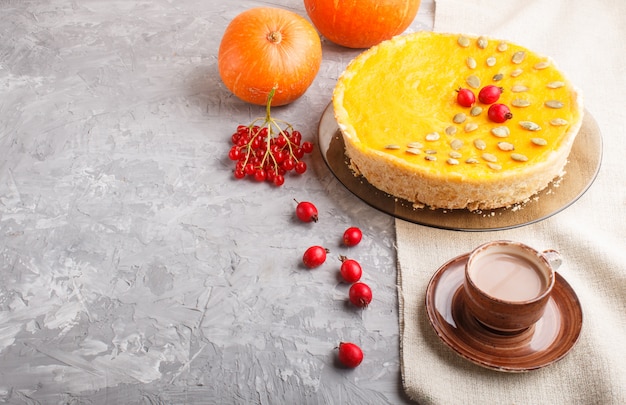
587,41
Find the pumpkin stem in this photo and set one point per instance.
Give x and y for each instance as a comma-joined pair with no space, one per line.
274,37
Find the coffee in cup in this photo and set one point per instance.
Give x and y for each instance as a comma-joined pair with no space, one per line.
508,284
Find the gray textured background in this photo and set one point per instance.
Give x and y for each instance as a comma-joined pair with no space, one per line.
134,268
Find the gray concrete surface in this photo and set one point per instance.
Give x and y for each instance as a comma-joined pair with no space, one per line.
134,268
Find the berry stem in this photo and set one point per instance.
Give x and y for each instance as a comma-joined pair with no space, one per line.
268,103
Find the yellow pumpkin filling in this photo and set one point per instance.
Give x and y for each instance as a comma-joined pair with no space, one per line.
405,131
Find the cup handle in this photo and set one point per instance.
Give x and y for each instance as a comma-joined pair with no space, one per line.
553,257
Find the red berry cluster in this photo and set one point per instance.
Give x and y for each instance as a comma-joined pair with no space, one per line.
266,156
268,149
489,94
360,294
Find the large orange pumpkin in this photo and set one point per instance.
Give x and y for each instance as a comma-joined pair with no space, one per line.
361,23
267,47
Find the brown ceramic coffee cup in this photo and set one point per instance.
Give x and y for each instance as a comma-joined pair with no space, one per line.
508,284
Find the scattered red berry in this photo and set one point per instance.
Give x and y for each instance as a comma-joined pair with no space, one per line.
306,211
352,236
499,113
350,270
267,149
314,256
489,94
465,97
360,294
350,355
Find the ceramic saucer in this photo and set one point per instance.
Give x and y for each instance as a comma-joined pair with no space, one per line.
551,338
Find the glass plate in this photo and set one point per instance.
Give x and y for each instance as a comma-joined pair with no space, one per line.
581,171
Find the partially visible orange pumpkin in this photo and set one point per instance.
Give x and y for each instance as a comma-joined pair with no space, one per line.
268,47
361,23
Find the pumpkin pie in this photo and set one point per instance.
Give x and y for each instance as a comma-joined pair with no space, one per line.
406,132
